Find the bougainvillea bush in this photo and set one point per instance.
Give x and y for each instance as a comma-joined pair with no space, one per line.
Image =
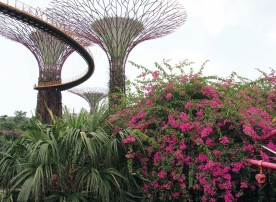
188,136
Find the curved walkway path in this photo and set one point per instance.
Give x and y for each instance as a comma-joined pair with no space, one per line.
26,14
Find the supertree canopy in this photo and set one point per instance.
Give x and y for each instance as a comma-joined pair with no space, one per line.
50,54
92,95
118,26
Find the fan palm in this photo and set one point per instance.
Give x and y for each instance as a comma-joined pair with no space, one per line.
72,160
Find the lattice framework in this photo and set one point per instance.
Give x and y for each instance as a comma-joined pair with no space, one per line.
117,26
93,96
50,53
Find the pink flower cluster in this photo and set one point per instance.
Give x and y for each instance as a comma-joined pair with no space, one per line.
197,139
129,140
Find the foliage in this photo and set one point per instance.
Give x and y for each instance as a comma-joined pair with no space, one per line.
16,123
67,161
12,127
197,133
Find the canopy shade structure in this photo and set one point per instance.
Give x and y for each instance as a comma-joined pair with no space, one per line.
93,96
49,45
118,26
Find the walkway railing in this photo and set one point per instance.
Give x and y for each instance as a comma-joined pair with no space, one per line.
41,20
63,81
261,178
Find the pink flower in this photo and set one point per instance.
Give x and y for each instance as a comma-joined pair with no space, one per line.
156,158
172,121
178,154
149,102
271,95
146,187
238,195
210,91
155,74
143,74
272,146
148,88
260,100
185,127
199,114
244,185
206,132
210,142
129,140
237,166
254,110
169,149
170,85
202,157
155,184
227,176
224,140
199,140
184,117
174,176
217,153
248,130
168,185
264,156
168,96
202,181
175,195
188,105
111,119
162,174
133,120
182,145
183,79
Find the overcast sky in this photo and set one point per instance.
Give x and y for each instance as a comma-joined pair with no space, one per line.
234,35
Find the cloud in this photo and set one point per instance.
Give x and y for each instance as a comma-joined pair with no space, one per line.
271,35
215,15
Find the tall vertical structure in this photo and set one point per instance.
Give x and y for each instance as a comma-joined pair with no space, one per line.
118,26
50,54
92,95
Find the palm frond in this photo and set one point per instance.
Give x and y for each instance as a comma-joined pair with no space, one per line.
25,191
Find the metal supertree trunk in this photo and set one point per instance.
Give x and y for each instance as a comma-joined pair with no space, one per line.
92,95
118,26
50,54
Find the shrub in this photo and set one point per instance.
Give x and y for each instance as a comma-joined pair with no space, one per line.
197,132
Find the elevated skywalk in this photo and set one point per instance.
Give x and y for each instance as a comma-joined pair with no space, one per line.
34,17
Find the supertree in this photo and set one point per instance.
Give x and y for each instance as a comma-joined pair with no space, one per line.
50,54
117,26
92,95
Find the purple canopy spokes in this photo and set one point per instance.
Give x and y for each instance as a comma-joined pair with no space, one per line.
117,26
50,54
93,96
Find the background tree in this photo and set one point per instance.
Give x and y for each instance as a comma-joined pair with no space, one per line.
18,122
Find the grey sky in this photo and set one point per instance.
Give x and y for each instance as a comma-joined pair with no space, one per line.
235,35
